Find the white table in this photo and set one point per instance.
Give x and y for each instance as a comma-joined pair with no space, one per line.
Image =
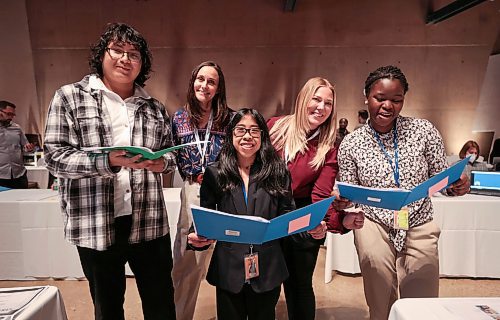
468,245
443,308
32,243
38,174
46,304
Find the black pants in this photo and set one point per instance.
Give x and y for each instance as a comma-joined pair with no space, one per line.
247,304
300,261
15,183
151,263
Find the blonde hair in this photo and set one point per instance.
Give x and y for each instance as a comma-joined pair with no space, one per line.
290,132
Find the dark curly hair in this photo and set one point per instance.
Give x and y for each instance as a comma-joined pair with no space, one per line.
387,72
121,32
272,172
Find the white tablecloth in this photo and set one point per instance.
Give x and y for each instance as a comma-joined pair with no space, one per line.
38,174
444,308
47,304
468,245
32,240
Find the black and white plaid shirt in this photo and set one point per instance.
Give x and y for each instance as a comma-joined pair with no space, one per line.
77,119
421,155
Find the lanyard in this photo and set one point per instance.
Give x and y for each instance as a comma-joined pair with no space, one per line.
395,167
310,138
244,193
203,150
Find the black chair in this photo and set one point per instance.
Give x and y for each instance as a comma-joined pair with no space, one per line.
495,153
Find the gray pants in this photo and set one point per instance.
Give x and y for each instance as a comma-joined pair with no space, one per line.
190,267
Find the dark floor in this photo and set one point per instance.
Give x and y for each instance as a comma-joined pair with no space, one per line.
340,299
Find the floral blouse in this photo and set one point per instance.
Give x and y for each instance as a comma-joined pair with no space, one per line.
421,155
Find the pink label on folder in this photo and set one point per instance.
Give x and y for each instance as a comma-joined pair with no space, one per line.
438,186
299,223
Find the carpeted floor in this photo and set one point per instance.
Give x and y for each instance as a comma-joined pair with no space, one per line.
340,299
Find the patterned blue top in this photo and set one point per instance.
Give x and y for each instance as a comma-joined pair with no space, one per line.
189,158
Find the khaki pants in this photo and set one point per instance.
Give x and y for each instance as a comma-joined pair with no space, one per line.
190,267
415,271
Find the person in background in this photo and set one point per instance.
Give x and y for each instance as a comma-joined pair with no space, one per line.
362,118
204,117
113,205
341,131
13,143
471,148
397,250
305,140
249,179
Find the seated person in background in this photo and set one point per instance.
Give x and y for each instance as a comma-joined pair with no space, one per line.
471,148
249,179
13,143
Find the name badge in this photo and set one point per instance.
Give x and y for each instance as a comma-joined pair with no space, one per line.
251,265
401,219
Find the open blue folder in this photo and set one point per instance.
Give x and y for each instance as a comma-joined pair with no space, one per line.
218,225
395,199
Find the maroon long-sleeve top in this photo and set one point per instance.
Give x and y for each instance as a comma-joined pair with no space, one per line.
310,185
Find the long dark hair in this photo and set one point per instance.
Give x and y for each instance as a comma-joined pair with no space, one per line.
271,172
123,33
219,104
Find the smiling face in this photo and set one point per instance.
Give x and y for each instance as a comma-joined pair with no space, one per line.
205,86
247,145
122,71
320,107
385,101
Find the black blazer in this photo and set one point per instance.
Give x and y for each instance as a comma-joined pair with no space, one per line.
226,269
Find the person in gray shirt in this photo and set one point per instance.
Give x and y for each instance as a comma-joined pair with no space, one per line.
13,143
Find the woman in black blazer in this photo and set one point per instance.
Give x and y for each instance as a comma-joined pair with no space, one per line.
249,179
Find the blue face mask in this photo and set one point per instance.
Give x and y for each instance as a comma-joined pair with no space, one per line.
472,157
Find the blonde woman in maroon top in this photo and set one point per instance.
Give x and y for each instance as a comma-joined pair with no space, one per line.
305,140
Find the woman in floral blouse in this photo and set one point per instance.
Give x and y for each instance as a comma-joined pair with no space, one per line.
395,152
204,117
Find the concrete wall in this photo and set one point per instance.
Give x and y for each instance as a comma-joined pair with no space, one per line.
267,54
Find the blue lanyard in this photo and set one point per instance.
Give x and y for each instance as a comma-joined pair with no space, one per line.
244,193
395,167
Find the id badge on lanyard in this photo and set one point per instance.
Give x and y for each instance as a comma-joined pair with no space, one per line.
251,262
400,217
203,150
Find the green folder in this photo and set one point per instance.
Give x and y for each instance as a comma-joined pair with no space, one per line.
146,153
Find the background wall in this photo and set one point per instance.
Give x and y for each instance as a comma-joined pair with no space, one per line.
266,53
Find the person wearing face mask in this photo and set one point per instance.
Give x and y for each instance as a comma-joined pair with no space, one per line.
204,117
397,256
13,143
305,140
471,150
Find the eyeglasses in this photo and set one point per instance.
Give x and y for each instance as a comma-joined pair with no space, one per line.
10,114
241,131
116,54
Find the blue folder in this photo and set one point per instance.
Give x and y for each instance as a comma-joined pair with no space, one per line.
395,199
218,225
4,189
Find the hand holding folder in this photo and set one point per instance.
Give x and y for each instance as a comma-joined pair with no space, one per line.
146,153
217,225
395,199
